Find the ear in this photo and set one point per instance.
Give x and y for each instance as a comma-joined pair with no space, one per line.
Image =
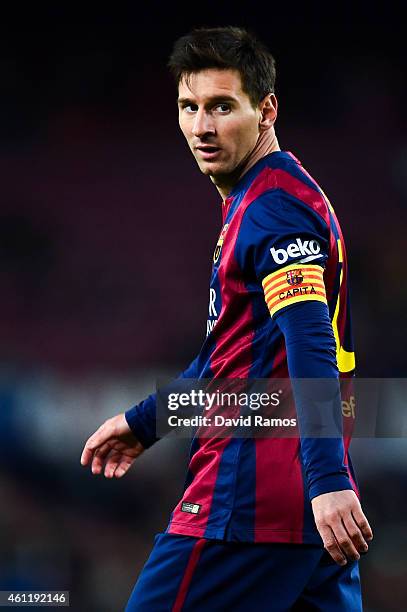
268,112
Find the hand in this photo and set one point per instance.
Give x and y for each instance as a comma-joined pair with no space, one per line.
342,525
115,443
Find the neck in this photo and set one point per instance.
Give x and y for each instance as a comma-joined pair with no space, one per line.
266,143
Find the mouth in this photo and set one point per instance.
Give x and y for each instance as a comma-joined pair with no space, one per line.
208,151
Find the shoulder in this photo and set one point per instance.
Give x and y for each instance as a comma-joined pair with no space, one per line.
288,191
277,210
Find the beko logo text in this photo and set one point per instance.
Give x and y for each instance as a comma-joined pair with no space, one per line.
299,247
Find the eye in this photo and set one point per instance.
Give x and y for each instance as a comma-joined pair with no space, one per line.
223,108
190,108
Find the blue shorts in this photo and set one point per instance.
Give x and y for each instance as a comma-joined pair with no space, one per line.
197,575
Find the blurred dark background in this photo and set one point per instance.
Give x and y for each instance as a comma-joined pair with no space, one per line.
106,233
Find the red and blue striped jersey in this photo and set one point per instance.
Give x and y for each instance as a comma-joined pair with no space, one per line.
280,247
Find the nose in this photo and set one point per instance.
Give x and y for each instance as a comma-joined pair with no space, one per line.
203,124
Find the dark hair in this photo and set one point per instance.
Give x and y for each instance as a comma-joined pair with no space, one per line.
226,48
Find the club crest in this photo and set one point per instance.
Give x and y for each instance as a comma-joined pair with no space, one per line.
294,277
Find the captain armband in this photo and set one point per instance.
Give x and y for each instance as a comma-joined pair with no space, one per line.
292,284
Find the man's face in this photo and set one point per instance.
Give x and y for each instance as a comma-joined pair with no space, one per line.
218,120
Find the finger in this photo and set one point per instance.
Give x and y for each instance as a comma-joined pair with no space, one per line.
123,468
97,439
331,545
363,524
112,462
354,533
99,457
344,541
87,454
117,464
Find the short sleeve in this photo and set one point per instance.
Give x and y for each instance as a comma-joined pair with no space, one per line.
283,244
